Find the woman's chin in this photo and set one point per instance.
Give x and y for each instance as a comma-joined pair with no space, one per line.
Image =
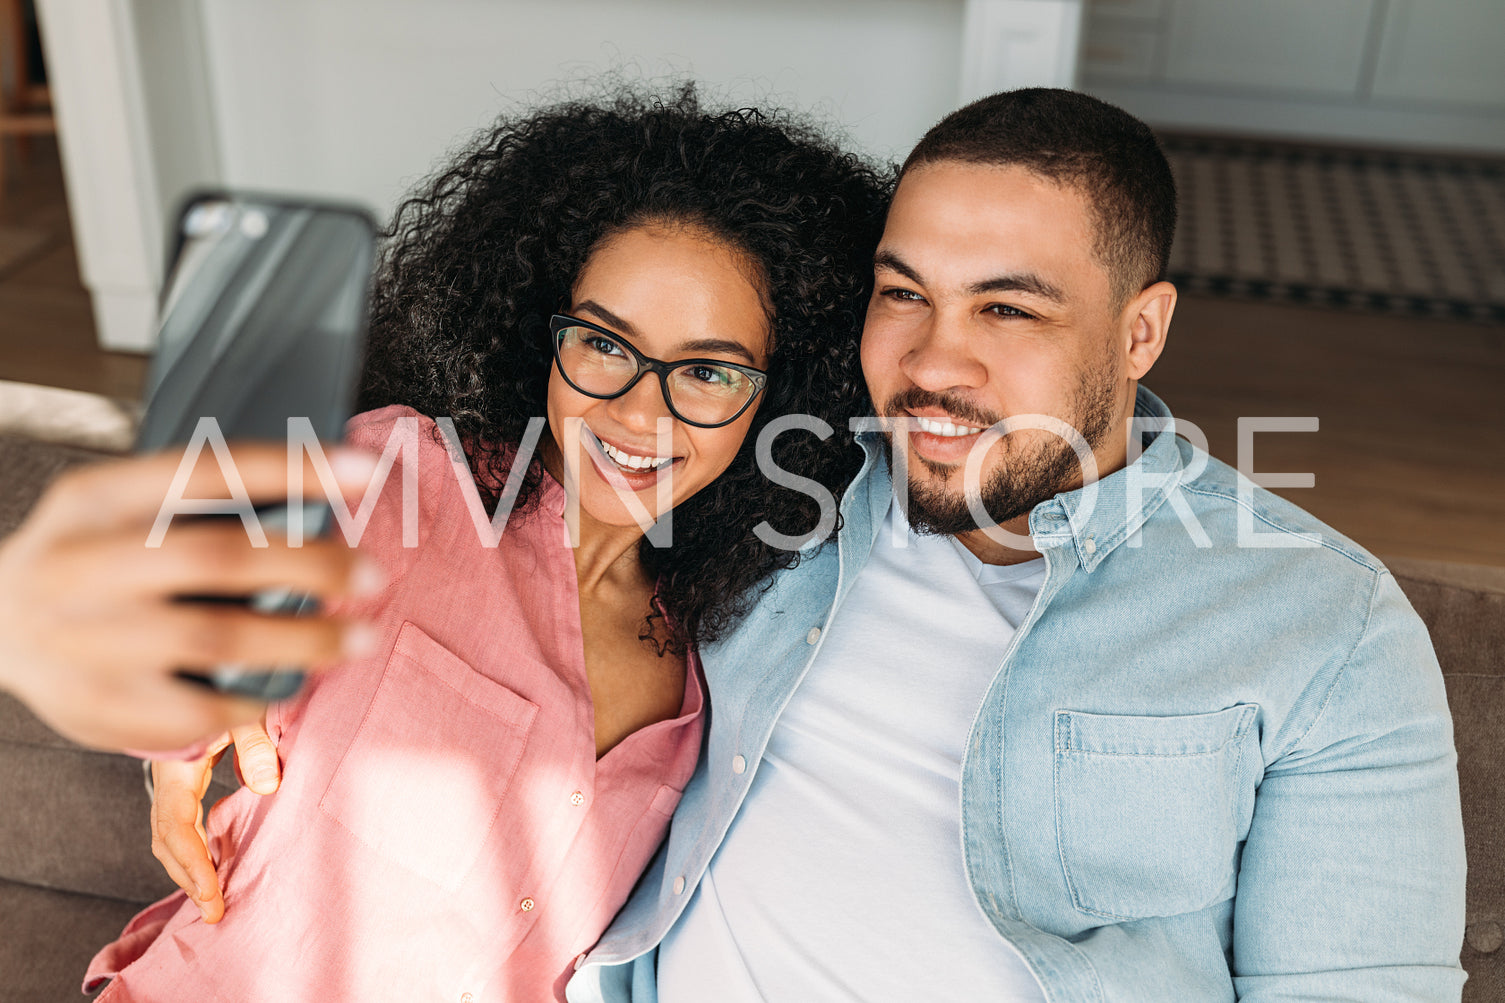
635,501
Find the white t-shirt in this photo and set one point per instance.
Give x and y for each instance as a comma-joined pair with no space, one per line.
842,878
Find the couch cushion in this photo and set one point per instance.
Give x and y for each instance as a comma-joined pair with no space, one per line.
1464,608
50,937
80,819
29,466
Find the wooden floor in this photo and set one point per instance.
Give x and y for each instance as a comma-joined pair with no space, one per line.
1409,458
46,327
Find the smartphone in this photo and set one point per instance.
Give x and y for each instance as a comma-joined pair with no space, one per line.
263,319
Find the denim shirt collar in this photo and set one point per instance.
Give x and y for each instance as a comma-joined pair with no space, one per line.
1094,519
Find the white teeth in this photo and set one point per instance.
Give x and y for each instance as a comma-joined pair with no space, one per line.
632,462
945,428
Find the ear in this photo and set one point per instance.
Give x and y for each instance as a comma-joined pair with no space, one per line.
1146,322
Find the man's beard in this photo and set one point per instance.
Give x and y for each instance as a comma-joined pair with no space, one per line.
1020,482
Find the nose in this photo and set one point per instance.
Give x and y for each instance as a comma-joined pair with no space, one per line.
944,357
639,409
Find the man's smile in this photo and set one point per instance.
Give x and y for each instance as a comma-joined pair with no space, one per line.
945,427
942,438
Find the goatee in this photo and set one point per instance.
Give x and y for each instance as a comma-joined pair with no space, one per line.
1019,482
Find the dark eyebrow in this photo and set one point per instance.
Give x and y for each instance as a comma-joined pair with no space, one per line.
719,345
894,263
616,323
610,319
1020,282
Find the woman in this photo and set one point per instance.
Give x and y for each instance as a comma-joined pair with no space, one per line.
464,810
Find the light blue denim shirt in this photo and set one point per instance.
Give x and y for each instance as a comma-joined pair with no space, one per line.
1203,771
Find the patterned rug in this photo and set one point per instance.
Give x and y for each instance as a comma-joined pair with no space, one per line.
1409,233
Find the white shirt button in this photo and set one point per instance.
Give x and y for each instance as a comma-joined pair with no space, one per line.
813,636
679,885
1089,545
739,765
577,799
526,905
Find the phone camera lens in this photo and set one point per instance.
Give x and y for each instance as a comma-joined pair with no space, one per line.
253,223
206,219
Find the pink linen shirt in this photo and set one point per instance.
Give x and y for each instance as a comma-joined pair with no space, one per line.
443,830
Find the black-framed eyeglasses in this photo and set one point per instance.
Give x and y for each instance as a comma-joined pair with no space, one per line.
599,363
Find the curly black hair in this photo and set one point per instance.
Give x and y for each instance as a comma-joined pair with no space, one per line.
490,248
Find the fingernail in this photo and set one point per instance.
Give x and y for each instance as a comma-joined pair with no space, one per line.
352,464
263,780
360,640
367,578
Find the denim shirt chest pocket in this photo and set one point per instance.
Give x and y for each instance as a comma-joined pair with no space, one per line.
1150,810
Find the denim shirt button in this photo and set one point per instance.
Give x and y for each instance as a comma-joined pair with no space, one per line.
813,636
1089,545
739,765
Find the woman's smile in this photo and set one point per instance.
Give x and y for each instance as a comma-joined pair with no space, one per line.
639,467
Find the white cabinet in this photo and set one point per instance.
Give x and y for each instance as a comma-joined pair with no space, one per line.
1272,45
1120,50
1435,51
1390,72
1142,10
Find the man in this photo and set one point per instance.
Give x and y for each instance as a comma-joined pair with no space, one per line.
1163,737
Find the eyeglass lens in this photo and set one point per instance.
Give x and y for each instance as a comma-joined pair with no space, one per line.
699,391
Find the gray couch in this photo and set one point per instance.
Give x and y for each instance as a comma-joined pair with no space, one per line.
75,862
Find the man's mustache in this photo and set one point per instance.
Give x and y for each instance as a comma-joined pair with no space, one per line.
952,404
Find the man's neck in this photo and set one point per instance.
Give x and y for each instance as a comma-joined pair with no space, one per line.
990,551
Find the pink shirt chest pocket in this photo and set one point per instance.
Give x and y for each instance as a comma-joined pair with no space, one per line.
427,773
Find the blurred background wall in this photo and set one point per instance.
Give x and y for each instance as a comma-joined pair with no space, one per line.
359,98
362,97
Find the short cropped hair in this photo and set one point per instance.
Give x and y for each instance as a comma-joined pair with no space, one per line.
1069,138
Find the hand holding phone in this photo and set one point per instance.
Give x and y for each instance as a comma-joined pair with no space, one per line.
92,626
